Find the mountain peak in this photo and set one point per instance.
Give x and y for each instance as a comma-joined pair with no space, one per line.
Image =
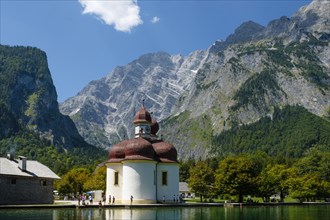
30,99
313,17
245,32
109,104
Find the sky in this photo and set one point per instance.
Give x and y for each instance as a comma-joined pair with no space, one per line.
86,39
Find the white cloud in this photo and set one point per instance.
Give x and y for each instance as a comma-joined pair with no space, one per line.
123,15
155,20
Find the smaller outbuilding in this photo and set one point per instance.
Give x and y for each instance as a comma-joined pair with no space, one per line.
25,181
185,191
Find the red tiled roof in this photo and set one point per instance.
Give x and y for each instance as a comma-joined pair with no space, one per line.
154,128
165,152
142,116
139,148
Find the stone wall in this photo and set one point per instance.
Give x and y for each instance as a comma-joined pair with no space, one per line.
21,190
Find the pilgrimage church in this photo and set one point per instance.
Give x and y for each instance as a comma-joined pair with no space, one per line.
144,168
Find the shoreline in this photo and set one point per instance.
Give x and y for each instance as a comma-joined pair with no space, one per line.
74,204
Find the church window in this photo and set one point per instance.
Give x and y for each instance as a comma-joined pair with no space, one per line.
116,178
154,177
164,178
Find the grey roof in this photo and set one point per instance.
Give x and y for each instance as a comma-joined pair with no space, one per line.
183,187
33,169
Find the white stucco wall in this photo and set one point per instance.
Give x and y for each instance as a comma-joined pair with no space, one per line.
137,178
112,189
139,181
145,130
172,187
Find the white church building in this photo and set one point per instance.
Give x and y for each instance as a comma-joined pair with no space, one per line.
144,168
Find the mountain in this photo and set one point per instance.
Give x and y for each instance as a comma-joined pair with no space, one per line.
103,111
242,82
236,82
29,107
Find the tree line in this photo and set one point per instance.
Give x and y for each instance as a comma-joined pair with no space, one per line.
260,175
235,176
81,180
289,132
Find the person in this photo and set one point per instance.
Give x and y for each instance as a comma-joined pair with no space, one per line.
109,199
113,200
100,204
83,200
90,200
163,199
131,199
79,199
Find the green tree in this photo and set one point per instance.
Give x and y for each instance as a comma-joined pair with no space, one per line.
315,161
185,166
309,187
266,184
274,179
313,179
97,180
237,175
73,181
201,179
324,168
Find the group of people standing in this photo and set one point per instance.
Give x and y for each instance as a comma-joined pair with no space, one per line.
177,198
88,200
113,199
83,199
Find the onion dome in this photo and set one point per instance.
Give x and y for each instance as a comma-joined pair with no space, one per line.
165,152
139,149
154,128
142,116
117,152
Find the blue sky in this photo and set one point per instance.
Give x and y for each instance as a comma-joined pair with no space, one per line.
86,39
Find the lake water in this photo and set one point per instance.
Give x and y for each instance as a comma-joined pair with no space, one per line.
312,212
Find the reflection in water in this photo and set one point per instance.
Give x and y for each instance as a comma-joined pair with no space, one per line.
196,213
130,214
120,213
193,213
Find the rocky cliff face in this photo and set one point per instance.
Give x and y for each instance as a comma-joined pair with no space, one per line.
103,111
234,82
285,63
28,98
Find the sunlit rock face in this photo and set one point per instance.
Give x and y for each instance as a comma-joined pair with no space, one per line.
104,109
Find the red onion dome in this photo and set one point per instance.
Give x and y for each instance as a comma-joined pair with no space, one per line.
117,152
165,152
154,128
139,149
142,116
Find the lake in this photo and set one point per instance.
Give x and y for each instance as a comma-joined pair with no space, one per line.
310,212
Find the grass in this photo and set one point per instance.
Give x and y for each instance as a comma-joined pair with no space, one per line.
287,199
